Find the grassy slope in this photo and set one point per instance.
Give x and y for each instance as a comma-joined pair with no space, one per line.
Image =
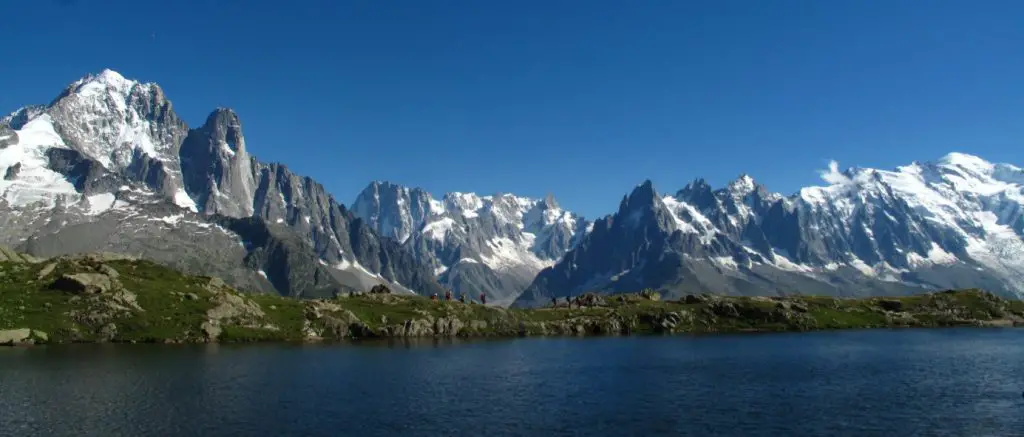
174,308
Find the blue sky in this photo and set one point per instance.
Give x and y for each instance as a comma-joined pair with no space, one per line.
583,99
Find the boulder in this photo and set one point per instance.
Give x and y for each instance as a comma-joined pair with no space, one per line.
724,309
40,336
215,284
211,330
6,254
890,305
418,328
109,271
230,305
12,337
360,330
83,283
447,327
650,295
108,332
124,300
590,300
46,271
693,299
380,289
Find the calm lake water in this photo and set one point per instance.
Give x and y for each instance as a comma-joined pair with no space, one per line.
963,382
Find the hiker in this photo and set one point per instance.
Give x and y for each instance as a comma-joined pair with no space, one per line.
448,295
433,297
483,299
554,302
462,298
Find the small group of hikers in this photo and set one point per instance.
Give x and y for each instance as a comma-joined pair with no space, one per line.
462,297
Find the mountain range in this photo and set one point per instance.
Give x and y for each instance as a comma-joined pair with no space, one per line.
475,244
109,166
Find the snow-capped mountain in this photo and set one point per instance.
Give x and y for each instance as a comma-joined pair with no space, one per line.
475,244
956,222
108,165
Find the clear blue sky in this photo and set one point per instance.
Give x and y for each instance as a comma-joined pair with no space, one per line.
582,98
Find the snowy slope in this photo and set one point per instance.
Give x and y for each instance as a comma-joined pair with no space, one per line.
27,179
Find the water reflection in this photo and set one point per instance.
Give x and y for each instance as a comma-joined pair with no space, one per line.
906,382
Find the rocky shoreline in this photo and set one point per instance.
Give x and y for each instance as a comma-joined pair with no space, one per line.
102,298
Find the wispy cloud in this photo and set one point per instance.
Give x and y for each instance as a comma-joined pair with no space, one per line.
833,176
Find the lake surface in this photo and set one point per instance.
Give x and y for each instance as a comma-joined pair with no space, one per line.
957,382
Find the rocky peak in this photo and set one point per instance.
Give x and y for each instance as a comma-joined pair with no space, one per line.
126,126
742,185
106,82
224,126
393,210
218,173
468,203
642,197
549,202
699,194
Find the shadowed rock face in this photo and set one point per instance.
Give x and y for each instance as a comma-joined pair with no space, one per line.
8,137
218,170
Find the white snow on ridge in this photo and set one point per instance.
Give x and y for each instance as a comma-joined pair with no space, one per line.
170,220
700,224
505,254
468,203
438,230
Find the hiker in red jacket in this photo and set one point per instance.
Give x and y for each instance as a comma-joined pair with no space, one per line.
448,295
